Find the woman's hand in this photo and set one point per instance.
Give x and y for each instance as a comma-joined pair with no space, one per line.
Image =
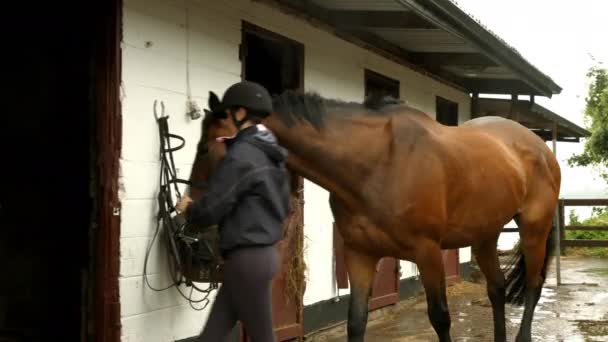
183,204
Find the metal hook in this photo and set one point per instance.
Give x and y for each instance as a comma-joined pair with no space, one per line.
162,108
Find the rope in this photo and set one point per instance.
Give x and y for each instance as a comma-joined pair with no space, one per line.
191,107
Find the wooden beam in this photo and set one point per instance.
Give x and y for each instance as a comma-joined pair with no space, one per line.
377,19
375,40
495,86
451,59
475,105
513,102
513,113
529,122
296,7
537,125
554,131
587,228
585,243
585,202
318,17
547,137
561,220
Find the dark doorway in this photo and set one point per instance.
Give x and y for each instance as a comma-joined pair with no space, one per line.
378,86
277,63
271,60
46,130
447,111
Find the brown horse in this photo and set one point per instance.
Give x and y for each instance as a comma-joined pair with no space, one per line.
404,186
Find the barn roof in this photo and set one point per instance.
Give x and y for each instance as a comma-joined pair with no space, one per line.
534,116
433,36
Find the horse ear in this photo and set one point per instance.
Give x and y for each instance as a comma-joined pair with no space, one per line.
214,101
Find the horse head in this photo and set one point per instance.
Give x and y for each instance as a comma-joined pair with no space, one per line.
210,149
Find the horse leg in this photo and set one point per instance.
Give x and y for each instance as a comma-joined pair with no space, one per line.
361,270
536,243
487,259
430,264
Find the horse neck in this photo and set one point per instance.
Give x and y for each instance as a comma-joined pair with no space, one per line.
339,156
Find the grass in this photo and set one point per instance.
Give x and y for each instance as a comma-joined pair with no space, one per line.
596,252
599,217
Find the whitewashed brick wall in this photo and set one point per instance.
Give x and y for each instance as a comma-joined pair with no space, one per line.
154,67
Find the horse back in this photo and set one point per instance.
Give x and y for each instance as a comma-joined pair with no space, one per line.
531,151
487,164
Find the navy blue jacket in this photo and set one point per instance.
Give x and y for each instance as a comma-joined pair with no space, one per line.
248,193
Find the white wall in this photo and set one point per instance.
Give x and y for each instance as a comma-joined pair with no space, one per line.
157,70
154,67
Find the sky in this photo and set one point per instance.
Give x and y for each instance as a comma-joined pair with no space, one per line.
563,40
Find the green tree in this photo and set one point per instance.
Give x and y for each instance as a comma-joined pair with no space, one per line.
596,117
574,220
599,217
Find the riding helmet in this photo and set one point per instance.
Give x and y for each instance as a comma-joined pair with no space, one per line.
250,95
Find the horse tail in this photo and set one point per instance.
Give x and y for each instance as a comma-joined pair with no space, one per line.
515,271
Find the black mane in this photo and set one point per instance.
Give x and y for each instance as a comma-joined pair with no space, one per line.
292,106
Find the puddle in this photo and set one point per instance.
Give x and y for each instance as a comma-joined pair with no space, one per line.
575,311
603,271
593,328
598,297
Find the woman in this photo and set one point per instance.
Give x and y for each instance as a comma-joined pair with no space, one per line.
248,196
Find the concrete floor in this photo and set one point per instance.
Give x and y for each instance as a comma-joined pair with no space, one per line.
575,311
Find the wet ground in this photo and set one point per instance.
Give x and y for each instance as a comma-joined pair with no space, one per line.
575,311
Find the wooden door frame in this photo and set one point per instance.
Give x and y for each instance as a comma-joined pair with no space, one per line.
107,78
250,28
451,279
297,330
391,298
341,274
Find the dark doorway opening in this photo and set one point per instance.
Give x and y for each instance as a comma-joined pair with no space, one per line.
271,60
277,63
447,111
378,86
46,207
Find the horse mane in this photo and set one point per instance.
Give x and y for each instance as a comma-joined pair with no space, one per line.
291,106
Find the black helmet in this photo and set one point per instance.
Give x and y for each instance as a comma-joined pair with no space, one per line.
250,95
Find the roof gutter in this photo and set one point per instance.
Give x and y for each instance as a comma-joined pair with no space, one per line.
448,16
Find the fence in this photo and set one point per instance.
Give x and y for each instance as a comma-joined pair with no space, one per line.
560,225
580,243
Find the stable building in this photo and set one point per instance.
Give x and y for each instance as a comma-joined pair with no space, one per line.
85,82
